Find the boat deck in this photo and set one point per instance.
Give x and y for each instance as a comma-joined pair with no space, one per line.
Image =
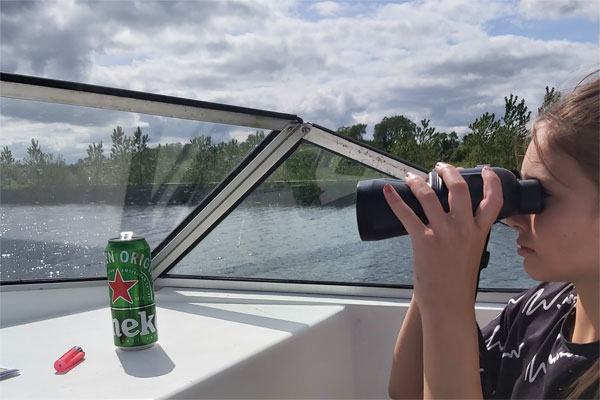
212,344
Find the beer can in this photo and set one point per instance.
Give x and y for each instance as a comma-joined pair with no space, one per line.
131,290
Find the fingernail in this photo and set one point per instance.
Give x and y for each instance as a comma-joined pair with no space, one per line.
408,175
439,164
487,169
388,188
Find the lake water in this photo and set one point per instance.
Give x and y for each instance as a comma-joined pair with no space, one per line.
316,243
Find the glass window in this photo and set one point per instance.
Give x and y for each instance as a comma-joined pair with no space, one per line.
300,224
73,177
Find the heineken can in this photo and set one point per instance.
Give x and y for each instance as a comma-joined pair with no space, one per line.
131,292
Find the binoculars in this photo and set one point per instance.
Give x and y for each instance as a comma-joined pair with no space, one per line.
376,221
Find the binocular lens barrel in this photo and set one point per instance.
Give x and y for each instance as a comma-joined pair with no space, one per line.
376,221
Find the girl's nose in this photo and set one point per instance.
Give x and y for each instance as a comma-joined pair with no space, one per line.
518,222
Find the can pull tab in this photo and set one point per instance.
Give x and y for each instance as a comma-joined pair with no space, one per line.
126,235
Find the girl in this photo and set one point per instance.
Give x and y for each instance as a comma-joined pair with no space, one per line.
544,344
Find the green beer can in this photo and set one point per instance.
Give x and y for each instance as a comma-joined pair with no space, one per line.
131,289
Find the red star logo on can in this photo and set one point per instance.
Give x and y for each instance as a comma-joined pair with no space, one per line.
121,288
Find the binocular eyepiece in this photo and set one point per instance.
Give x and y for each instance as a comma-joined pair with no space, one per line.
376,221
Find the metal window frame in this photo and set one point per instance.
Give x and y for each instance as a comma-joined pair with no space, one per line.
78,94
361,153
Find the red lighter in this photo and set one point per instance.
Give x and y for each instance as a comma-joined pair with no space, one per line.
69,359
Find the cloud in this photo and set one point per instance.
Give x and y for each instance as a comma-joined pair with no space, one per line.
559,9
326,8
366,60
33,41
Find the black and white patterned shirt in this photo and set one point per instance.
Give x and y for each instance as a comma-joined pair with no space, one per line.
525,352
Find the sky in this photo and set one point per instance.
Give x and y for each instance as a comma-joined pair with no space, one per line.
332,63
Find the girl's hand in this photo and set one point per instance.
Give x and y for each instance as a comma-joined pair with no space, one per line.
448,250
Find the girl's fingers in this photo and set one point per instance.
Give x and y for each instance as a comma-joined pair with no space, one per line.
459,199
427,198
403,212
492,201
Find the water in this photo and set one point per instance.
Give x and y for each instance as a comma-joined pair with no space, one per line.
68,241
313,243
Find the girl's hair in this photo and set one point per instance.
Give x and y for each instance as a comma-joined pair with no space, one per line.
587,384
572,126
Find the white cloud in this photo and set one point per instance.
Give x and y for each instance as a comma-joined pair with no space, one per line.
560,9
425,59
326,8
69,141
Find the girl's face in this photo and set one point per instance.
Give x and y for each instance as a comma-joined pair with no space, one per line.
561,243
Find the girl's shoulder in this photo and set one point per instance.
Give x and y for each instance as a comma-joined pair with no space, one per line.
541,307
547,297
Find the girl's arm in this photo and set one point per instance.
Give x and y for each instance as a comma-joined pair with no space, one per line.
451,355
406,378
446,255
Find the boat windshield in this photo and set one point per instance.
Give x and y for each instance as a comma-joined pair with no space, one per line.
219,192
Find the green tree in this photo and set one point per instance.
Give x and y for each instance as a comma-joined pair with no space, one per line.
300,172
425,153
6,157
35,163
551,97
172,162
142,160
35,155
301,165
44,170
227,155
203,156
120,156
510,141
448,147
502,142
9,168
355,132
343,166
94,164
253,140
397,129
478,142
56,173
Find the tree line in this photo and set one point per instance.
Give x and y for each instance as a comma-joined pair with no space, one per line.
500,141
497,140
129,161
